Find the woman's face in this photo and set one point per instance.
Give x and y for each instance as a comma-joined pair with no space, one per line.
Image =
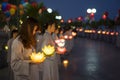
53,27
34,30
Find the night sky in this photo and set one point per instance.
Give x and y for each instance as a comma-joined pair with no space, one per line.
74,8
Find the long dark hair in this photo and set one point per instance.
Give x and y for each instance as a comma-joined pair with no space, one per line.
26,32
45,26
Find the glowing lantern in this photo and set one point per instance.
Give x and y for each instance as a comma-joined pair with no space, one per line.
99,32
107,33
66,37
93,31
91,15
48,50
65,63
6,47
86,31
70,20
90,31
70,37
104,16
81,30
79,18
61,43
112,33
57,41
74,33
62,21
37,57
117,33
103,32
61,50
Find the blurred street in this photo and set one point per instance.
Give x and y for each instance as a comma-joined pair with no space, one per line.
92,60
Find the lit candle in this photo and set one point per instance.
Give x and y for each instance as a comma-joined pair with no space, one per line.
37,57
48,50
61,50
61,43
70,37
65,63
74,33
66,36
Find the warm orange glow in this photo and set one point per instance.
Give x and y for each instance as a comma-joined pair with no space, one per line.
61,43
37,57
61,50
117,33
86,31
90,31
81,30
99,32
107,33
66,36
70,37
6,47
103,32
48,50
69,21
62,21
112,33
74,33
93,31
65,63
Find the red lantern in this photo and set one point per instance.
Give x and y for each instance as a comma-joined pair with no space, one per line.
70,20
79,18
112,33
61,50
104,16
91,15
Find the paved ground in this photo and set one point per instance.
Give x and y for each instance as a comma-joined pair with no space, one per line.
89,60
93,60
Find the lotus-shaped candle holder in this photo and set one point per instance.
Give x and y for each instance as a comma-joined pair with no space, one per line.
37,57
48,50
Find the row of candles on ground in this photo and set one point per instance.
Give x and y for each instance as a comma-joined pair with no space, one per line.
99,32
